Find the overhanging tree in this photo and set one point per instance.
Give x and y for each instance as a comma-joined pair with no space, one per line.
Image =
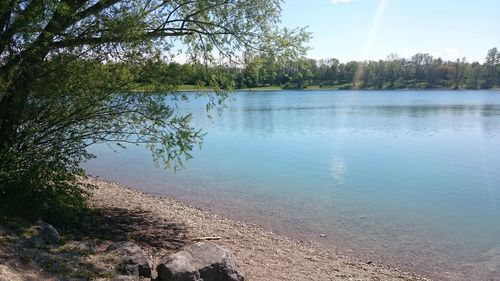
65,82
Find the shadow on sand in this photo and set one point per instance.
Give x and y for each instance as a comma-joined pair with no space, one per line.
81,255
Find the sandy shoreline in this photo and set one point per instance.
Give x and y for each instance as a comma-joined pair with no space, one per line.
263,255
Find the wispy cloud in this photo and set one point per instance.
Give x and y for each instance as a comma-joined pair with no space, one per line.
340,1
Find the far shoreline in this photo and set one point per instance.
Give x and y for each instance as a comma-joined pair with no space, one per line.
204,89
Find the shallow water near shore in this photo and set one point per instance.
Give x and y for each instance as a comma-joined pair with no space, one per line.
404,178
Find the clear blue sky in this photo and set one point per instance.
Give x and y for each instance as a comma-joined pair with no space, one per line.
372,29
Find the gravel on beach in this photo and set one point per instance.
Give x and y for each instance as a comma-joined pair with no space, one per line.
262,255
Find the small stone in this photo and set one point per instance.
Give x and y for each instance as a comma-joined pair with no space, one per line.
48,233
322,235
43,234
369,262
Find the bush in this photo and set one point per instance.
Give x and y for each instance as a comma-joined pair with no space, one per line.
35,187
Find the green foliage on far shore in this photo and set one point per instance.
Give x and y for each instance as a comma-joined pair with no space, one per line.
261,71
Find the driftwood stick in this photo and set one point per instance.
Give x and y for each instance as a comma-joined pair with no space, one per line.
207,238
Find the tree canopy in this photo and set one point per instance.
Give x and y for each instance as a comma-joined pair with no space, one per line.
66,79
421,71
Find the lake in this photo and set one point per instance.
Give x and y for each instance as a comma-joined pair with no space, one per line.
403,178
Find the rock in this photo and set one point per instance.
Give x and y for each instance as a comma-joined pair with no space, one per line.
43,234
322,235
202,261
133,260
48,233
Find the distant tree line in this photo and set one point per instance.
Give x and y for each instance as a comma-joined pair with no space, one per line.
421,71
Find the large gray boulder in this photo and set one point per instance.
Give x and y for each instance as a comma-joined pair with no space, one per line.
133,260
202,261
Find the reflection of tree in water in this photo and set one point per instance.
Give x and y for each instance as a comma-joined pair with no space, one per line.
490,121
266,113
424,110
257,113
260,117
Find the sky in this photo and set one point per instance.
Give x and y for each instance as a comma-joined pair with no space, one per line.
372,29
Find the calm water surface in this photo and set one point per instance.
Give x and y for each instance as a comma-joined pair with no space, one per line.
405,178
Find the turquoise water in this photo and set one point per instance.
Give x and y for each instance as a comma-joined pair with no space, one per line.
405,178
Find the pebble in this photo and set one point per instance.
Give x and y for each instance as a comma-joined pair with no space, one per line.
322,235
